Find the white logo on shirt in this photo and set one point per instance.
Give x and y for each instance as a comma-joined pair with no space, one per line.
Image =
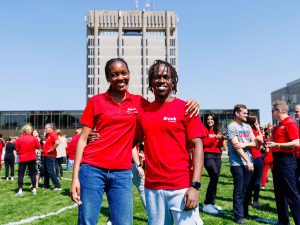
131,110
170,119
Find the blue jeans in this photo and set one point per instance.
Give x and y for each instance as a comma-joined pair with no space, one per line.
49,165
241,177
118,187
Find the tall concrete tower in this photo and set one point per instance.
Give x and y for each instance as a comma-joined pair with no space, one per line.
140,37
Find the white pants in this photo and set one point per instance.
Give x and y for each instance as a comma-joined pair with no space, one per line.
166,207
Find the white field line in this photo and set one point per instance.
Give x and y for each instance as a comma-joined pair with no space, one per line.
29,220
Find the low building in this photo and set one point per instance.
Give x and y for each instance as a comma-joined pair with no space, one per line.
11,122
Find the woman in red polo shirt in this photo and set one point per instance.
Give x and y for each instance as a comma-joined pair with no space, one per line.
212,145
26,146
105,164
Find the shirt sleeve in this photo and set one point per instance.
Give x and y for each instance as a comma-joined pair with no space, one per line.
293,131
231,132
139,133
87,118
195,128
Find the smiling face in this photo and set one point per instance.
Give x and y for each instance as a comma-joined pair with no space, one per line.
162,82
210,121
242,115
118,76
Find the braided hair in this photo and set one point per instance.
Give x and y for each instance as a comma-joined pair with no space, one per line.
111,61
154,70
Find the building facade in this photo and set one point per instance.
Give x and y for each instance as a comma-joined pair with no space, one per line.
11,122
140,37
290,93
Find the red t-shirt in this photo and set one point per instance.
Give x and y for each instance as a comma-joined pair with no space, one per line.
50,141
297,151
211,143
286,131
72,146
25,146
2,144
167,133
116,125
255,151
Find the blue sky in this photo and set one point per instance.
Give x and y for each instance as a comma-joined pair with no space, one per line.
230,51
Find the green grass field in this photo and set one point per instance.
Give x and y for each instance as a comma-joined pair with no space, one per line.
13,209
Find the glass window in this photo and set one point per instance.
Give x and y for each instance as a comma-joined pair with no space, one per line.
132,32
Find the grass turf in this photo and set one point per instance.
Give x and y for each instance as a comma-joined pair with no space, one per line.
14,208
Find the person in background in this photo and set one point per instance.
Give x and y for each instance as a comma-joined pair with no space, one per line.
297,151
38,152
61,153
268,161
72,147
284,140
26,146
9,158
240,141
212,145
255,181
49,154
138,174
2,144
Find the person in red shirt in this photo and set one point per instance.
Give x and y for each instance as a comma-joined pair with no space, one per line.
172,177
297,151
72,147
268,161
2,144
285,138
49,154
212,144
105,164
25,146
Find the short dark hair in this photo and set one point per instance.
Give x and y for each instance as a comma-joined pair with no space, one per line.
111,61
238,108
153,71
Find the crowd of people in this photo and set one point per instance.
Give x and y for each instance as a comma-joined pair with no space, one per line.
123,132
39,156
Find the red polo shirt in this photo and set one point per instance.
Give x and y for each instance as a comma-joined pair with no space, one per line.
286,131
297,151
115,123
72,146
255,151
167,133
210,143
25,146
50,141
